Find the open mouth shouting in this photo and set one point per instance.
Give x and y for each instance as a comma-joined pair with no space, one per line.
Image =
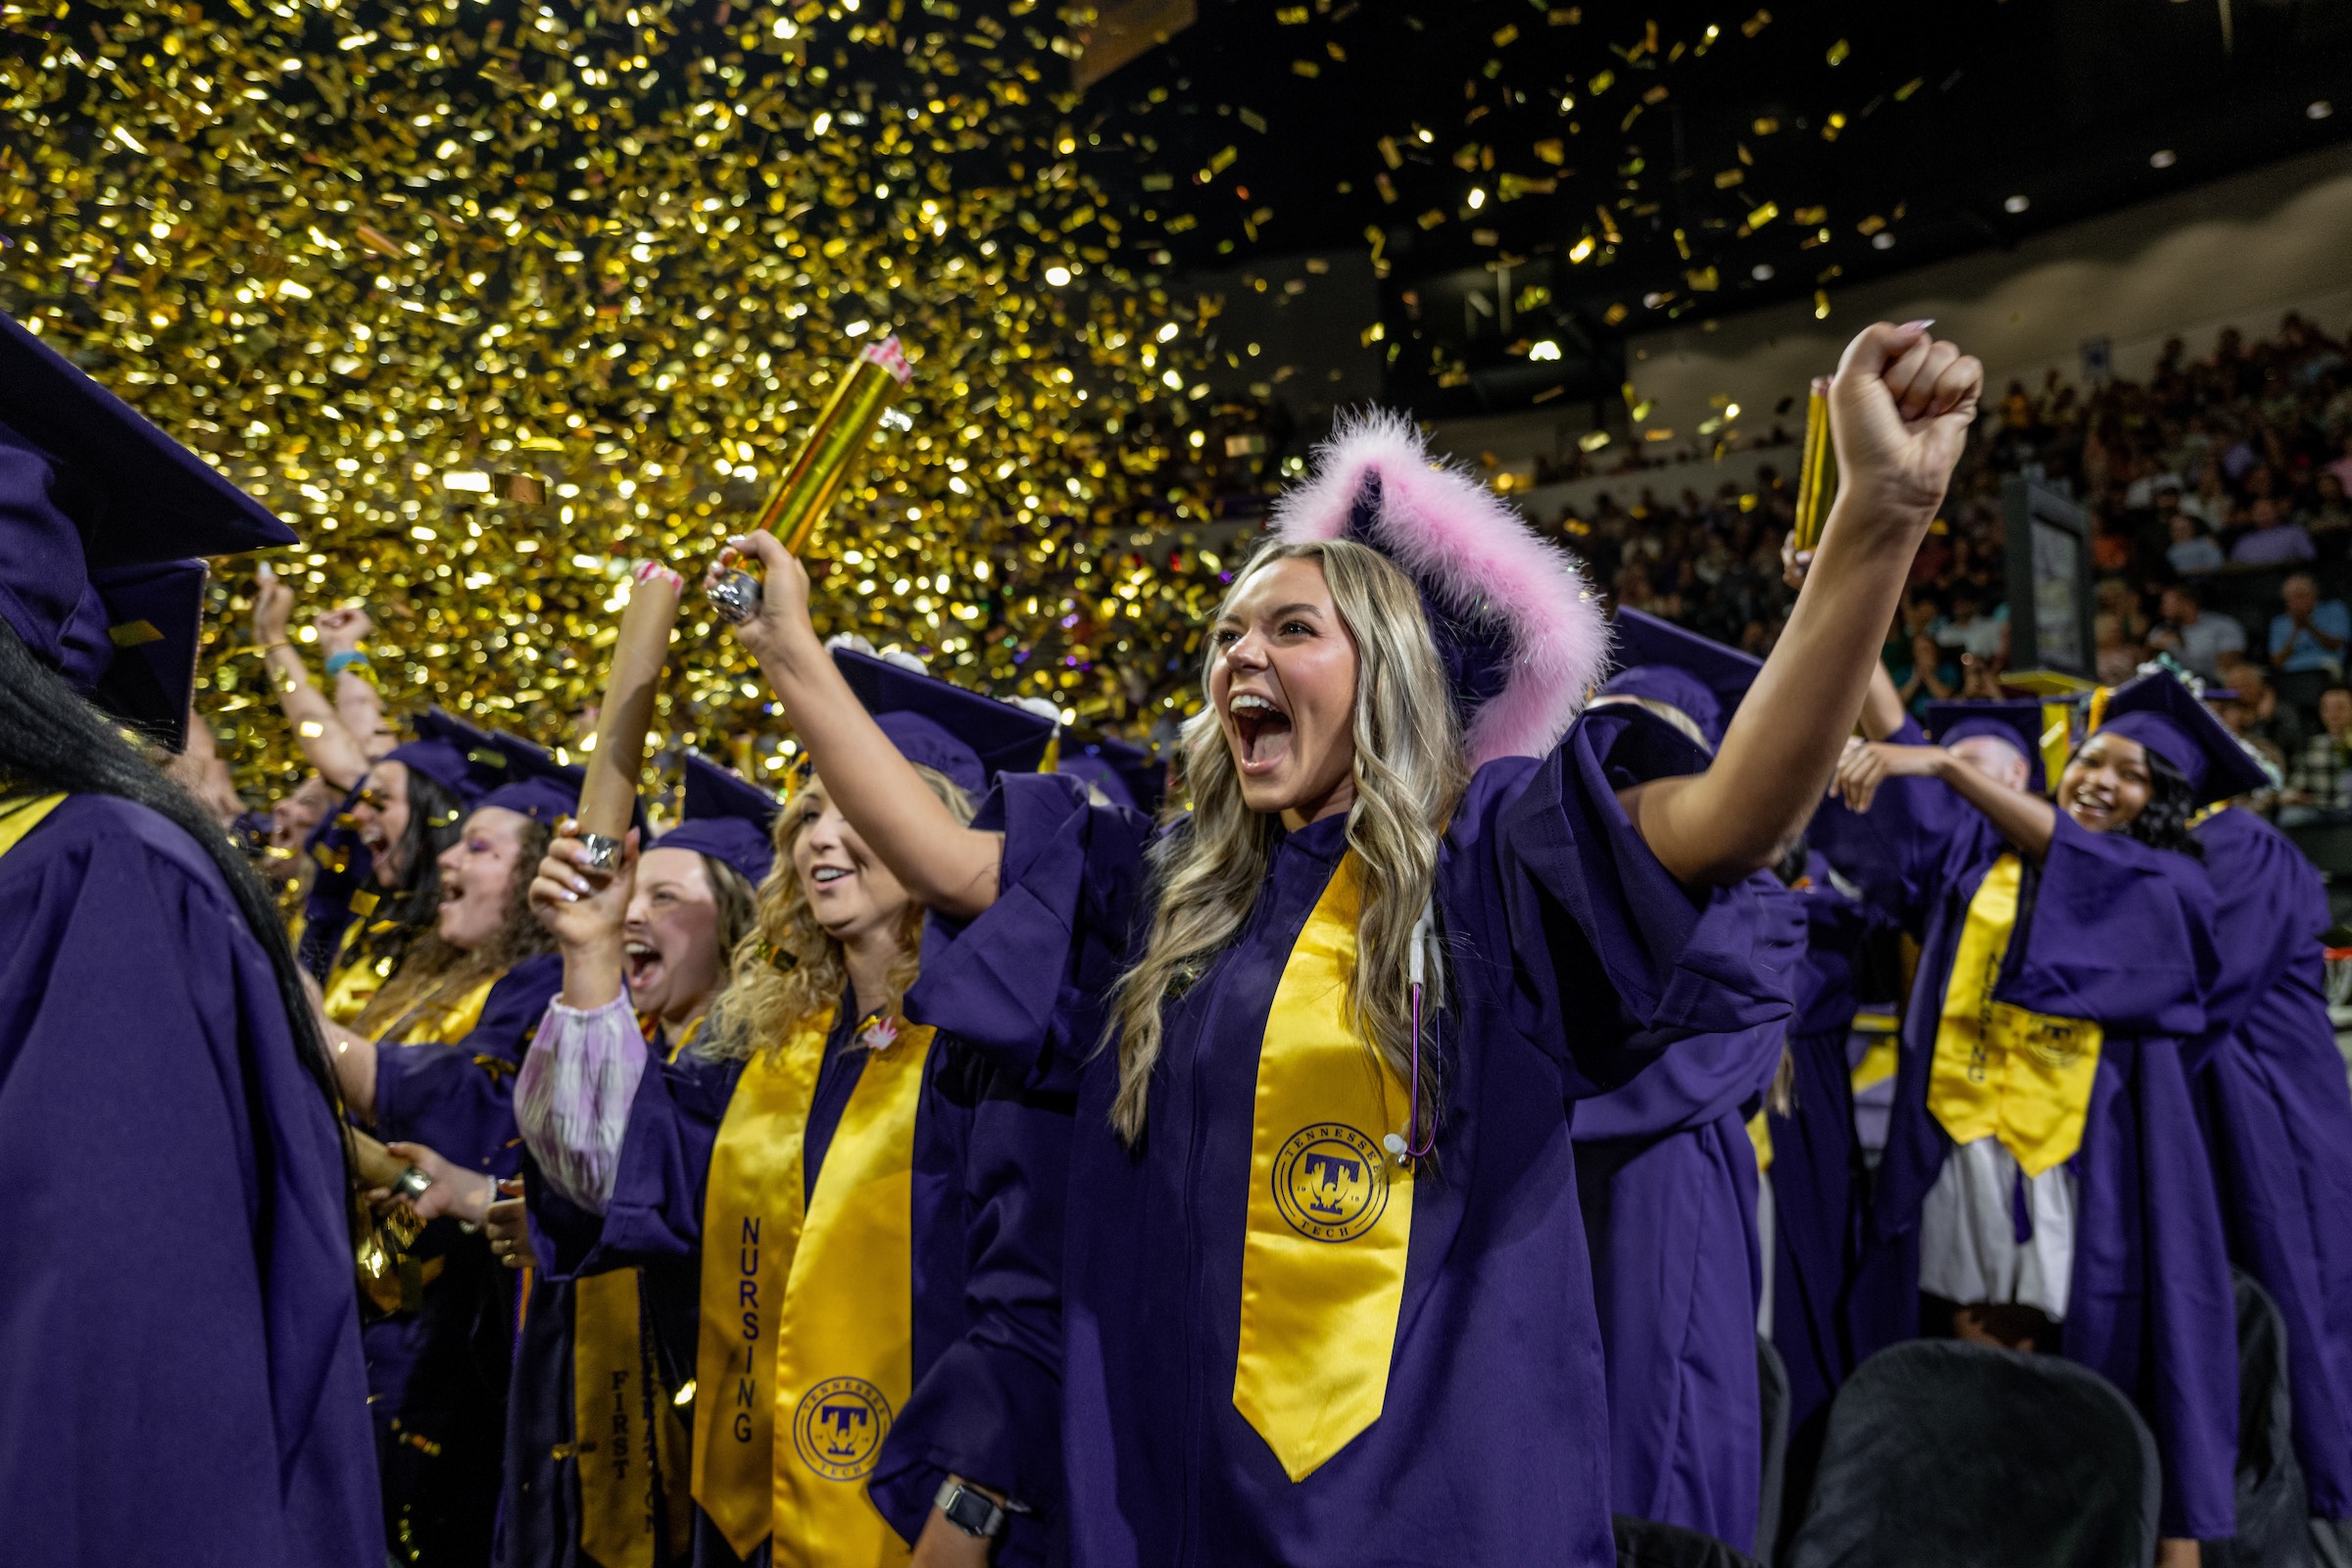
645,963
382,853
1261,732
2092,806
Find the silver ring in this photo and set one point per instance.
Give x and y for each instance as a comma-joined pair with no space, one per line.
603,854
734,597
412,1182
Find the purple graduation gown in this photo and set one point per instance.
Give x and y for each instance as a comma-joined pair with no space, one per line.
2121,934
2277,1116
438,1376
1819,1181
964,1123
177,1312
1573,957
1666,1173
539,1508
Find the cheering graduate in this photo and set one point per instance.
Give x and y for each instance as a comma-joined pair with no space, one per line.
1326,1295
432,1075
377,892
2278,1117
596,1453
836,1155
177,1302
2032,1188
1667,1176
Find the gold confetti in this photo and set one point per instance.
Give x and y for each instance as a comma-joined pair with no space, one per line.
486,316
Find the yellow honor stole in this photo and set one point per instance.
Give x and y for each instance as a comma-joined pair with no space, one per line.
24,816
807,1349
353,978
2000,1071
1330,1214
429,1023
625,1429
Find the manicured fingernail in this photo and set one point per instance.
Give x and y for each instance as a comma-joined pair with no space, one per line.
1917,326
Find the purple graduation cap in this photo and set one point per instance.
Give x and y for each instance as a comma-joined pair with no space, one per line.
1127,775
726,818
99,515
1512,615
1696,676
519,776
2166,717
970,737
2013,723
443,752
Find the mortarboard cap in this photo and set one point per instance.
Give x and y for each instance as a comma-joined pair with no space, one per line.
529,781
2018,724
154,622
87,487
1698,676
970,737
1512,617
442,752
726,818
2165,717
1127,775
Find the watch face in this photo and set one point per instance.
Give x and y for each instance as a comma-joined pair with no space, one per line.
972,1513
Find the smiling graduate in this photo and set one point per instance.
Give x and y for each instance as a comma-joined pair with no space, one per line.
428,1066
2030,1193
835,1155
177,1306
1325,1295
596,1466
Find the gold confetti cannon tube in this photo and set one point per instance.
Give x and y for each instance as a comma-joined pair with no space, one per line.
1817,470
874,381
631,682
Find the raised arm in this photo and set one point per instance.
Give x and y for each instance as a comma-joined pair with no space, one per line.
325,743
945,865
2024,820
1900,408
357,704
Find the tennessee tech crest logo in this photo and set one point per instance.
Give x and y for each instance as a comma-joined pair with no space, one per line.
839,1428
1330,1183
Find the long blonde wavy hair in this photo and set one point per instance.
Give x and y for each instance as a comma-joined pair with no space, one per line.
1409,775
788,970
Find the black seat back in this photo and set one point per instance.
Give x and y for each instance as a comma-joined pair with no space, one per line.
1942,1455
1647,1544
1772,1386
2271,1502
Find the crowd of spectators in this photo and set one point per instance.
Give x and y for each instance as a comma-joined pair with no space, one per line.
2222,537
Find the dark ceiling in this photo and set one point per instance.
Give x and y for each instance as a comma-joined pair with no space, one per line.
1589,171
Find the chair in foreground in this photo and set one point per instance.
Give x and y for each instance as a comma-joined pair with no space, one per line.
1942,1455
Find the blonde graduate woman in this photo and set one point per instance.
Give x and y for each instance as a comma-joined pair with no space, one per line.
795,1186
1325,1296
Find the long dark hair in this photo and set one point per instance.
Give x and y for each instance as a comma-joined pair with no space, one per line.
53,741
406,914
2162,823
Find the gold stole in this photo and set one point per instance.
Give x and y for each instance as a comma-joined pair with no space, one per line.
1759,1135
437,1025
24,816
613,1392
2000,1071
353,979
807,1348
1330,1215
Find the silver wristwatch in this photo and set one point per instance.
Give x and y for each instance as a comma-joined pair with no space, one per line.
972,1513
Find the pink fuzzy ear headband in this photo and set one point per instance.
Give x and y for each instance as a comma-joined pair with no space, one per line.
1513,615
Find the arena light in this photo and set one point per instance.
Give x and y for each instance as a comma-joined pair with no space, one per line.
2016,204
